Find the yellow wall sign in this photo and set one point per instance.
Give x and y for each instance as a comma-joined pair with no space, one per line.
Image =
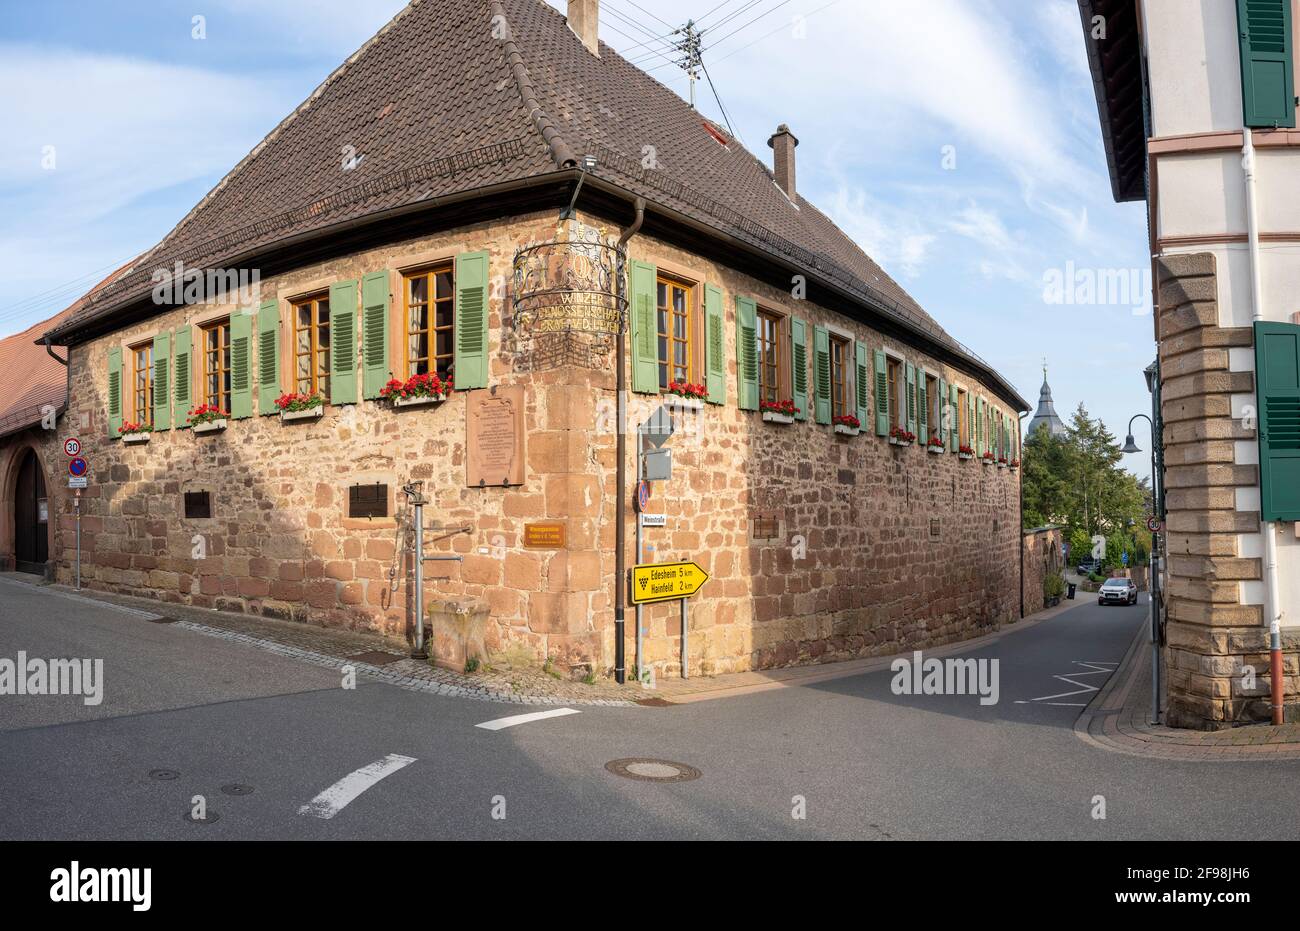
666,581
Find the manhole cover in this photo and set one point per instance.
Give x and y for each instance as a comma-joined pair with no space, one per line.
653,770
212,817
161,620
236,789
164,775
375,657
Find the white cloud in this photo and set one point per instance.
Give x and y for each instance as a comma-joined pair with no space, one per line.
893,237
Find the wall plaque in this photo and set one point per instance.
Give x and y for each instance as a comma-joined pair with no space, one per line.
549,536
494,437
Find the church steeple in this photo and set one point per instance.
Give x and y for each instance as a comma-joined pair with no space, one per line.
1046,413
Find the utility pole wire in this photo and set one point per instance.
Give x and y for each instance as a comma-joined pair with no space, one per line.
750,23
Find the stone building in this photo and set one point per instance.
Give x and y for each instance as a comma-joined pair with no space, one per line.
498,200
1197,102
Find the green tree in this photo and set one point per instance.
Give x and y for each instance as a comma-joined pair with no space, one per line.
1076,480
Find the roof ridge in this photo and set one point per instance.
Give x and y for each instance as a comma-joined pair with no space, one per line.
230,176
560,151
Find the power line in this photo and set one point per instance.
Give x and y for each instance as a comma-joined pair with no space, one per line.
714,10
733,14
772,33
750,23
725,116
648,13
636,25
653,52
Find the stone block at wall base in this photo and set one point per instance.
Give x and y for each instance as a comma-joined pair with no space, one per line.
456,633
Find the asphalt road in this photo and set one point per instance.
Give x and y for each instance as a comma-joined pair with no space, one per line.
866,763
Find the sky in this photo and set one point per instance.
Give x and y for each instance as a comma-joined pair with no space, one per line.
956,141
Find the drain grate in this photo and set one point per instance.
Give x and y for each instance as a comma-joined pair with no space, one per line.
649,770
236,788
376,657
164,775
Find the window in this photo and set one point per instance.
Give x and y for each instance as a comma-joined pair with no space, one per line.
963,421
675,300
142,384
897,411
198,504
839,380
769,357
368,501
933,407
429,298
216,365
765,525
311,345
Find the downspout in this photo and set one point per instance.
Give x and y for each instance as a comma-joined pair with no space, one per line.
1274,601
1020,517
620,469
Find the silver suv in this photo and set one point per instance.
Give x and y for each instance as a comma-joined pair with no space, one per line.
1117,591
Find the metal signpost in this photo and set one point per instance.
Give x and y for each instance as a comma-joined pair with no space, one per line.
77,480
655,582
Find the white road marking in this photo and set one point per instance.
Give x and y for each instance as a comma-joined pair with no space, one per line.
338,796
1094,669
499,723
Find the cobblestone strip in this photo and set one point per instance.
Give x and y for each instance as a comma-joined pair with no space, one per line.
432,684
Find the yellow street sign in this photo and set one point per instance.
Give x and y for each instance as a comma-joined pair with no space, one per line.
666,581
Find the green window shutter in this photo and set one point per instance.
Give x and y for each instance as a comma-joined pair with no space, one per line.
645,335
799,366
374,334
822,373
944,416
747,353
715,365
470,369
954,427
861,381
1267,67
1277,385
343,341
182,379
979,426
162,396
268,357
114,391
882,394
922,414
241,366
911,398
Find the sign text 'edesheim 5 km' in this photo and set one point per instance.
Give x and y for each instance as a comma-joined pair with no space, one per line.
666,581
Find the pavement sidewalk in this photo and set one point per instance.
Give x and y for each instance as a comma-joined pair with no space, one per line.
1118,719
386,659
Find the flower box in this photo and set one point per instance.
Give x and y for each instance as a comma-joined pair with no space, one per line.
133,438
775,417
988,460
683,403
419,400
210,426
935,449
295,406
896,441
965,455
846,430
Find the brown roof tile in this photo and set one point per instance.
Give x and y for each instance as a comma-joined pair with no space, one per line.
436,105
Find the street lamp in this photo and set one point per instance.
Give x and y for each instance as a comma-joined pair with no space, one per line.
1131,447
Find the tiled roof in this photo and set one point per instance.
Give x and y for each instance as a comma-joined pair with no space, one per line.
444,100
30,380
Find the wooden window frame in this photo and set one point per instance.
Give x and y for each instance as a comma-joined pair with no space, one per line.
896,376
139,416
693,329
963,421
204,396
783,387
314,348
430,272
839,345
934,407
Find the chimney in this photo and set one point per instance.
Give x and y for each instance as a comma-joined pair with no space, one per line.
783,143
584,20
